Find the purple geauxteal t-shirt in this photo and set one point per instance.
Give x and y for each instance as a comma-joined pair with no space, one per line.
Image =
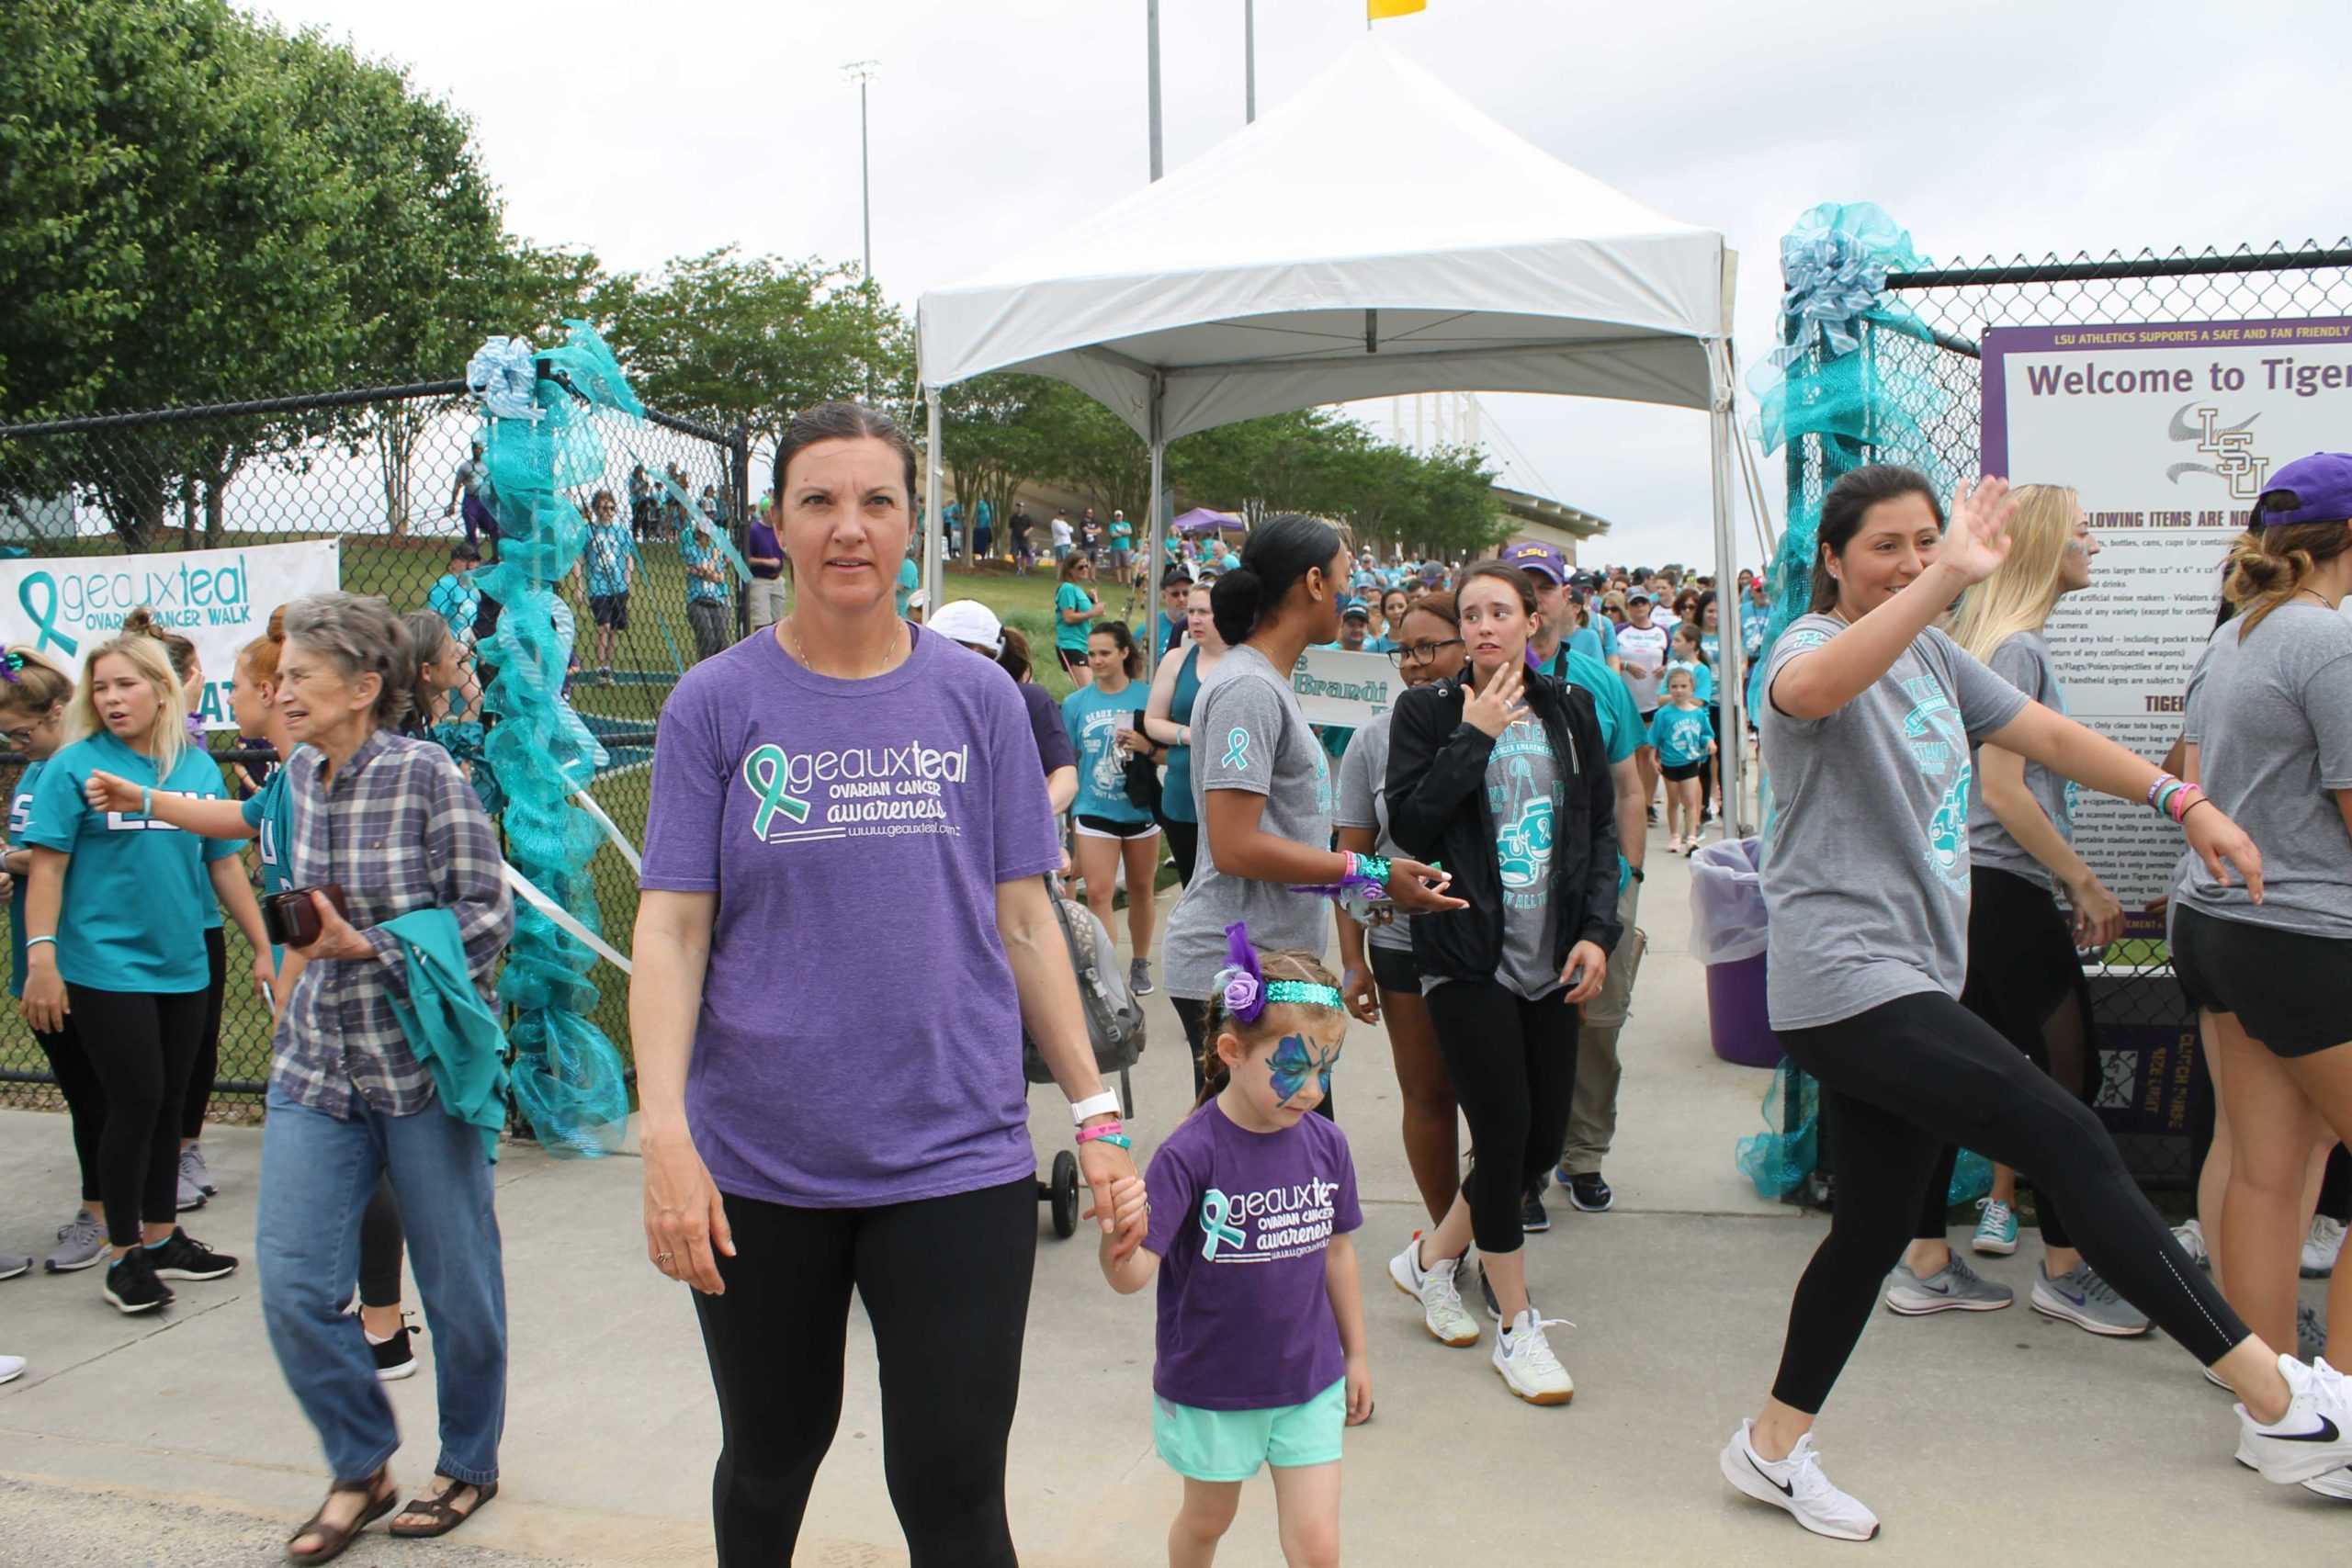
1240,1222
859,1042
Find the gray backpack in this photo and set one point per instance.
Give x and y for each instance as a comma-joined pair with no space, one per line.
1113,1016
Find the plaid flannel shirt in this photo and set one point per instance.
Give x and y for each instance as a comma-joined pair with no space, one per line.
400,829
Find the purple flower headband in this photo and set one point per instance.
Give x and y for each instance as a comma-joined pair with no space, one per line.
1245,990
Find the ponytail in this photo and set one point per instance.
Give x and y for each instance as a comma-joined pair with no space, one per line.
2271,565
1278,556
29,684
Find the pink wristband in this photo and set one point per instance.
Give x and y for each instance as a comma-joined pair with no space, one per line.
1101,1130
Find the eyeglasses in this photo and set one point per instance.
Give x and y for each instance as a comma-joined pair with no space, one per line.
1421,652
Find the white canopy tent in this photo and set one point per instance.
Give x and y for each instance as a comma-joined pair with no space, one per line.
1375,235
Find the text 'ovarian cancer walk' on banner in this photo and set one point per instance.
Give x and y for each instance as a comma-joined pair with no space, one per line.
2168,433
220,600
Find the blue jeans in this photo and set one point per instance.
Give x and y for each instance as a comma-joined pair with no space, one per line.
317,1174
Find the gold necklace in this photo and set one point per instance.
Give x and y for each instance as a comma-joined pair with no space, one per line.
889,659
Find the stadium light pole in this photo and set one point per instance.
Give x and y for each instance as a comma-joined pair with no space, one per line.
862,71
1249,62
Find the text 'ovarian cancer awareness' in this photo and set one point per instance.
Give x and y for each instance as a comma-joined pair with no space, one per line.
1259,1227
852,792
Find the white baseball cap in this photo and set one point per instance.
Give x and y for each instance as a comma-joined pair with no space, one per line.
971,622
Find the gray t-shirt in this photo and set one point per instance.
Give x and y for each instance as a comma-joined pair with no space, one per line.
2271,718
1524,795
1363,803
1249,734
2023,660
1866,859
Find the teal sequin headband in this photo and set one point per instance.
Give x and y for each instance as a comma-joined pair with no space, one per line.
1303,993
1246,992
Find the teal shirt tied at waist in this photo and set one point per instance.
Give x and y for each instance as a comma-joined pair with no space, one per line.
448,1026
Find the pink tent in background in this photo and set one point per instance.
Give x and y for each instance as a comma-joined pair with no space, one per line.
1201,520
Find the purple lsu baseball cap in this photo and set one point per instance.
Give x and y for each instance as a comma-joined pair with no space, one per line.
2317,488
1534,554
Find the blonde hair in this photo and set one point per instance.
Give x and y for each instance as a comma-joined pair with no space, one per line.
166,734
2019,595
144,622
34,685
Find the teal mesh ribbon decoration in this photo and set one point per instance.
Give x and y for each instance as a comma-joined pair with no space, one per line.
1849,380
567,1076
1778,1158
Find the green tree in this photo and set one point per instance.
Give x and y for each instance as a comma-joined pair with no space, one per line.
726,338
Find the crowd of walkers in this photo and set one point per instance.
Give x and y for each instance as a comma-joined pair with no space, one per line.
1476,851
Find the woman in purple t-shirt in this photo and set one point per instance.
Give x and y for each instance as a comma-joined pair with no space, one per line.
820,1114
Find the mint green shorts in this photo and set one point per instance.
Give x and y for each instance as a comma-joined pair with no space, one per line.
1229,1445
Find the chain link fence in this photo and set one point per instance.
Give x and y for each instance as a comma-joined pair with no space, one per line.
384,474
2152,1090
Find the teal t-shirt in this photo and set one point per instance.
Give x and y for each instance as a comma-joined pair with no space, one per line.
606,555
136,890
1612,701
910,579
1121,533
20,816
1091,717
1070,635
1682,735
270,812
695,549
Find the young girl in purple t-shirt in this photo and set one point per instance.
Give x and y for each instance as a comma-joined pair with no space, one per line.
1252,1205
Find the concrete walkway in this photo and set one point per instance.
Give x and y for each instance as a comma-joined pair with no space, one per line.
2001,1436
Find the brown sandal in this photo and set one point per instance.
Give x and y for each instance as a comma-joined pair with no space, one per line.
444,1517
334,1540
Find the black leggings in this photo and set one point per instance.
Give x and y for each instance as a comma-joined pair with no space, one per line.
946,1284
1183,848
1513,1066
207,1065
380,1244
1195,1017
140,1044
2024,980
1900,1081
86,1100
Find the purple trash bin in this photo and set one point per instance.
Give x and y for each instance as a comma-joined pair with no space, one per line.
1736,1017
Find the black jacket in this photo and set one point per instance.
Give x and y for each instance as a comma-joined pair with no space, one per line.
1438,811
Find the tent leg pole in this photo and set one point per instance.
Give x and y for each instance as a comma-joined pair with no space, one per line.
1731,746
1153,537
935,538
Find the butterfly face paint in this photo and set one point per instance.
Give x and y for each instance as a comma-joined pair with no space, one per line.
1295,1059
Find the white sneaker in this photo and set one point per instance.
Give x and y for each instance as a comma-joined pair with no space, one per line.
1797,1484
2320,1246
2335,1484
1442,1313
11,1368
2312,1439
1524,1359
193,1167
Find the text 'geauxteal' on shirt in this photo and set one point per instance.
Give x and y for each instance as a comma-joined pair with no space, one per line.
136,890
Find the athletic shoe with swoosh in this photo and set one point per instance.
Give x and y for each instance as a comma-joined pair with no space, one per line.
2080,1297
1953,1288
2313,1437
1797,1486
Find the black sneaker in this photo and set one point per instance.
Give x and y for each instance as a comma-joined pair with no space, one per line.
1486,1290
185,1258
1590,1194
1652,812
131,1283
395,1357
1532,1217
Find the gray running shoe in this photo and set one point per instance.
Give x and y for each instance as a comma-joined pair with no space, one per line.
12,1264
192,1166
2311,1335
1139,978
1957,1288
2080,1297
191,1196
80,1241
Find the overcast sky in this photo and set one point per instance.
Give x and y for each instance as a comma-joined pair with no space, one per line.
645,130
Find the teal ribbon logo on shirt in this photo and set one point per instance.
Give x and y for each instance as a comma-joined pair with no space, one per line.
44,614
764,769
1217,1209
1236,749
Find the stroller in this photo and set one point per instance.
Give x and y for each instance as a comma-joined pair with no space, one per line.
1114,1021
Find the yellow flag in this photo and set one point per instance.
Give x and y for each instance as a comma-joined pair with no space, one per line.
1380,10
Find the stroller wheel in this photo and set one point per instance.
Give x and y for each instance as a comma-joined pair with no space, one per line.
1065,1194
